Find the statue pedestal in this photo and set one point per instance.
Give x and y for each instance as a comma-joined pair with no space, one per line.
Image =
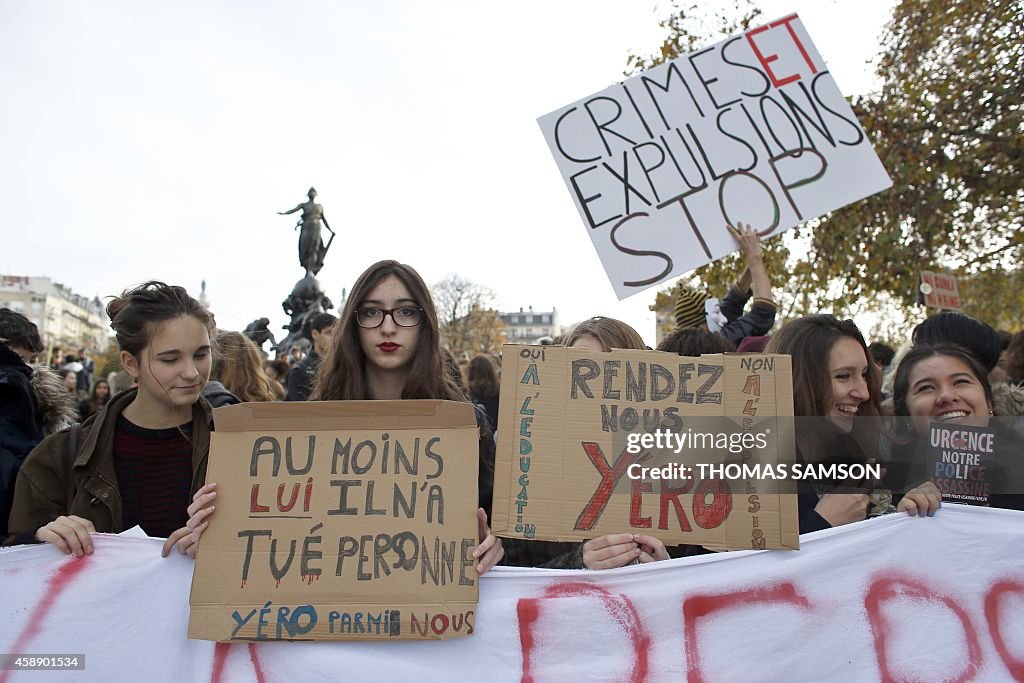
305,302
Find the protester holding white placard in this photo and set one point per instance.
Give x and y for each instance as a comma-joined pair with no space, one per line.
697,309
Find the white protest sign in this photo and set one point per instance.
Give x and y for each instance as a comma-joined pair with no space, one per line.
752,129
892,598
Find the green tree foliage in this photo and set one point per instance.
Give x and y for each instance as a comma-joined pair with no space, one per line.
948,126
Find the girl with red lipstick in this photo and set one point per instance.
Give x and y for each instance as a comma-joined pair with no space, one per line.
141,458
387,345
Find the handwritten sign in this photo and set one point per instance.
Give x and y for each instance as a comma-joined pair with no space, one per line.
344,520
941,290
575,427
752,129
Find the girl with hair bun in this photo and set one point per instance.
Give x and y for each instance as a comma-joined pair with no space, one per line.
141,458
387,346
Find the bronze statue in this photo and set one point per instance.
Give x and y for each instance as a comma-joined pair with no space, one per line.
312,250
259,332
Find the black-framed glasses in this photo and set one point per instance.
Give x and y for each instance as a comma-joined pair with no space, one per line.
404,316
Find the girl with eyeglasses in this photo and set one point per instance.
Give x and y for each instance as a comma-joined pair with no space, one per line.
386,346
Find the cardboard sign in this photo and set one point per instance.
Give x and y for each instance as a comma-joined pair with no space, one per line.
752,129
960,462
941,290
562,468
340,520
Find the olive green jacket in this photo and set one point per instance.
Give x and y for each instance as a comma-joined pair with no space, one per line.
51,484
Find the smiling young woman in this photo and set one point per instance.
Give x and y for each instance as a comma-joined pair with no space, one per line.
947,383
140,459
833,378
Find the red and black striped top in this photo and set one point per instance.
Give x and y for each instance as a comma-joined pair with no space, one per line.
154,475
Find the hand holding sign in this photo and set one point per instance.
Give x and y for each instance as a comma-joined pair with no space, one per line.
608,552
651,549
490,550
756,275
187,537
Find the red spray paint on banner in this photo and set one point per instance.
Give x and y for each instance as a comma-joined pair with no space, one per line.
619,607
889,587
57,584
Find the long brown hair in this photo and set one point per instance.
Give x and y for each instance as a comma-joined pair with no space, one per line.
342,374
809,342
240,369
483,378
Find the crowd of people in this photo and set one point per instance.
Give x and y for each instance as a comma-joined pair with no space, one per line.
72,464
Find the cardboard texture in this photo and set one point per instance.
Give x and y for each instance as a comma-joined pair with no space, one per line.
559,448
340,520
941,291
752,129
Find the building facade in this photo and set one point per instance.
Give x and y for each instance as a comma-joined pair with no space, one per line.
65,319
529,326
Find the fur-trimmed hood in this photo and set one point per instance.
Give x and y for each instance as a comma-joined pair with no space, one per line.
1007,399
57,406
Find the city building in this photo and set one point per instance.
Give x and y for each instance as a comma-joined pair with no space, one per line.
65,319
529,326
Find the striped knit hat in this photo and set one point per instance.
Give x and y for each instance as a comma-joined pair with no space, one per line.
689,310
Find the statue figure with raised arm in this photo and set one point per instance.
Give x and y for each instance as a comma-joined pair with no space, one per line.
312,250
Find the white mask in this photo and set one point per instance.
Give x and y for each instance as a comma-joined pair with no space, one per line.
715,318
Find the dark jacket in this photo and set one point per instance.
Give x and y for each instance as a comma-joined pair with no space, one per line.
218,395
51,484
489,404
487,449
33,404
301,378
754,324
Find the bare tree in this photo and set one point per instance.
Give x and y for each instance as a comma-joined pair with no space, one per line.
469,323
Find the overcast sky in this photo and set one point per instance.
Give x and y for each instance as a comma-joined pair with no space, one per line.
148,140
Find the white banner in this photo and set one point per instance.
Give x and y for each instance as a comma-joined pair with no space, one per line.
893,598
752,129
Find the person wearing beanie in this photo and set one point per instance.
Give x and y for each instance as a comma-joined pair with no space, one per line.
698,309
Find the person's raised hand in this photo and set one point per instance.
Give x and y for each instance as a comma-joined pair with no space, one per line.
749,241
